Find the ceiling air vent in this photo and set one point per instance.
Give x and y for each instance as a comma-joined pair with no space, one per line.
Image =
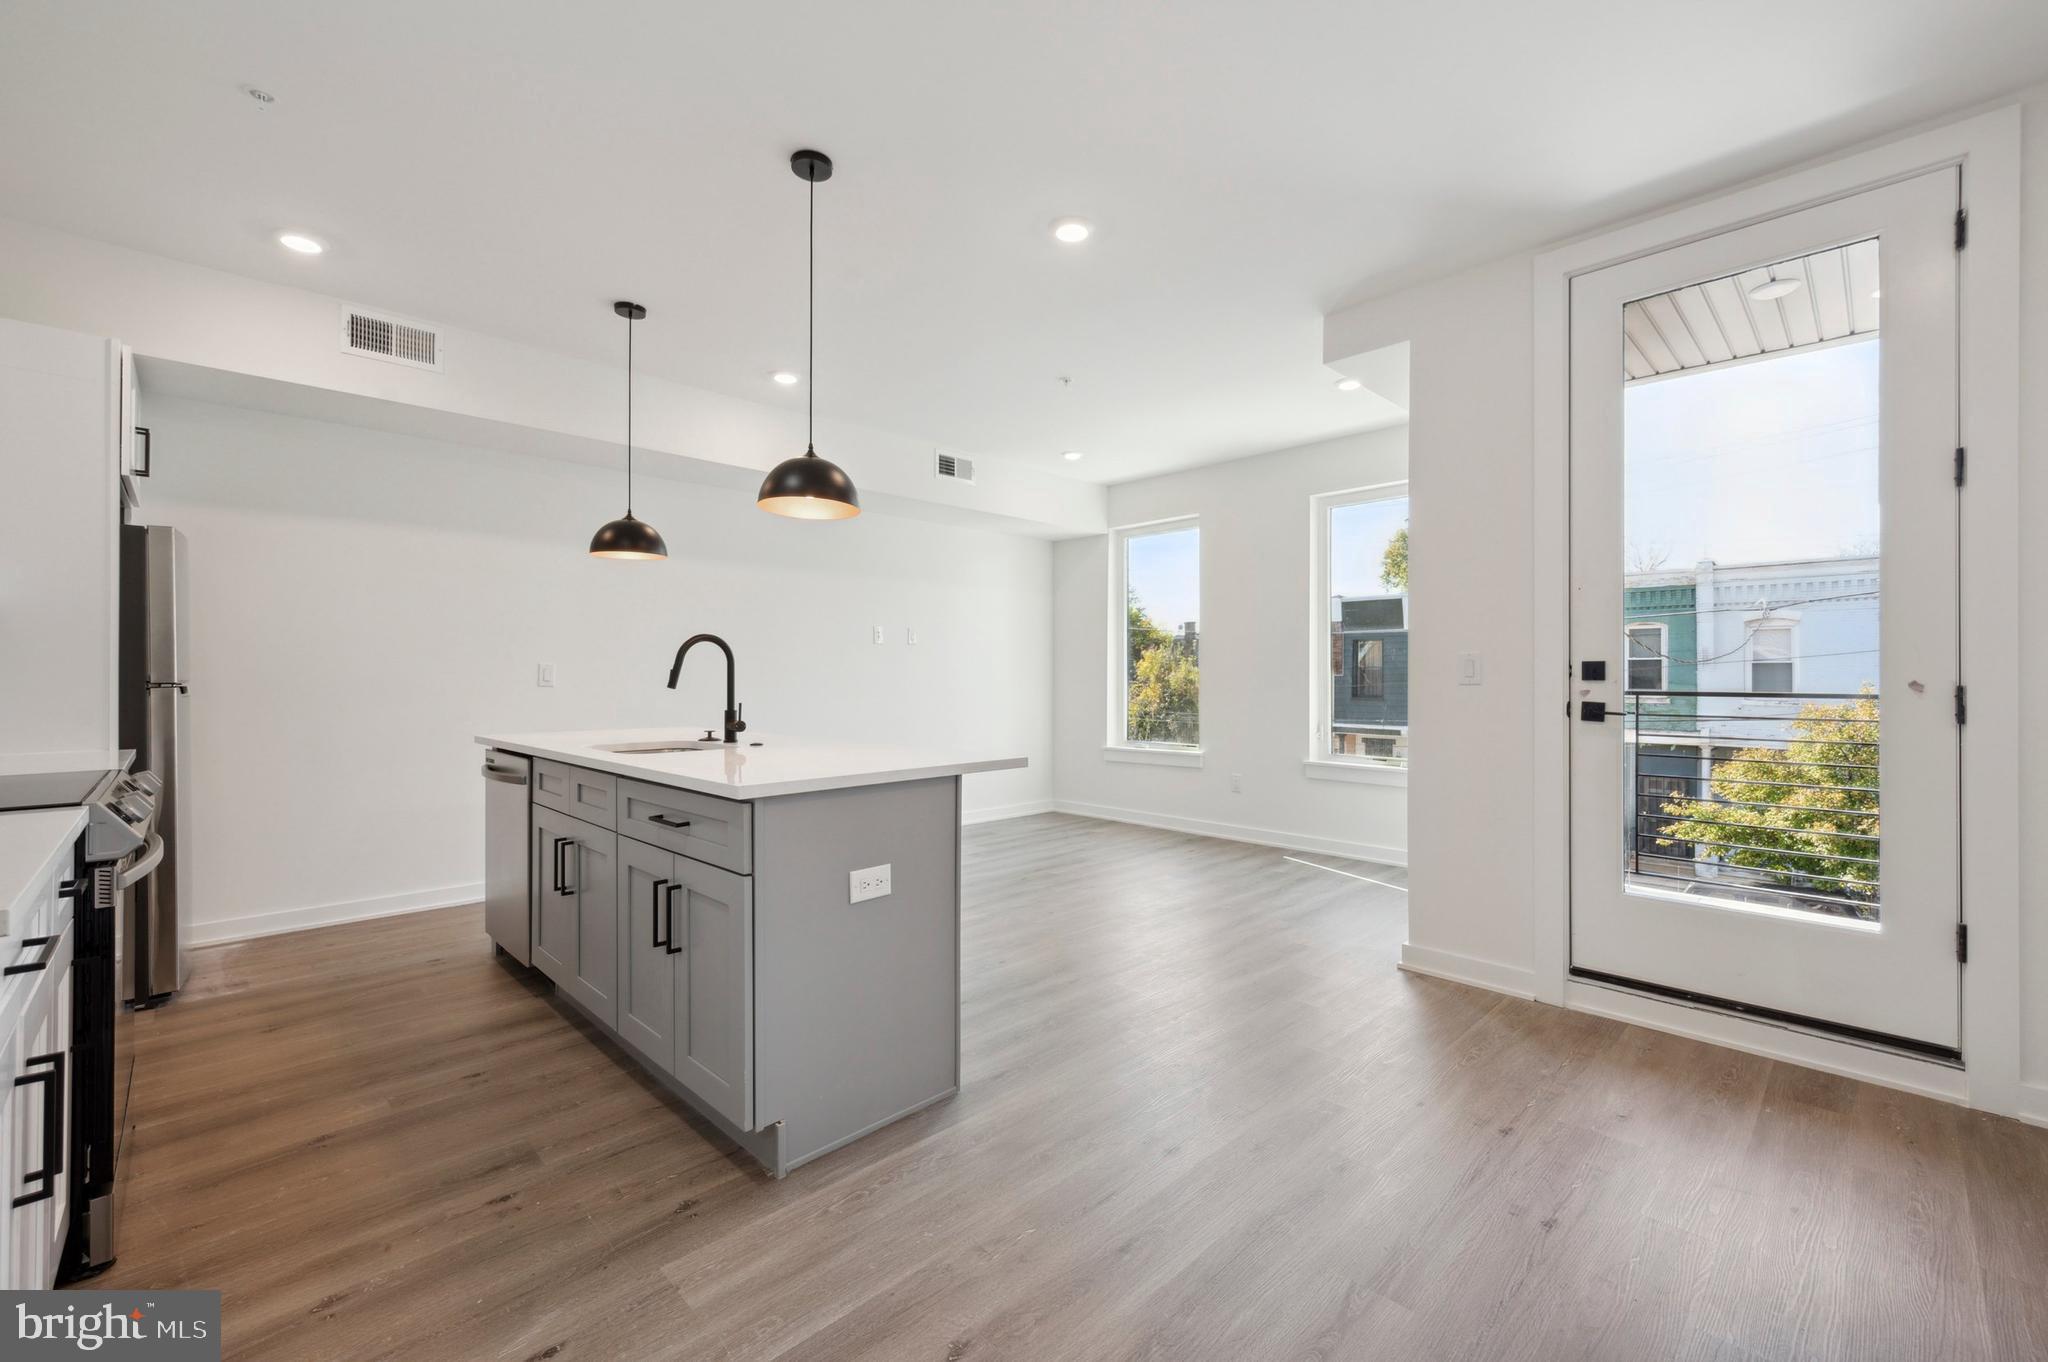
954,467
389,338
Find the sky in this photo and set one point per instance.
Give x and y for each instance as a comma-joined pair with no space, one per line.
1358,543
1755,462
1163,572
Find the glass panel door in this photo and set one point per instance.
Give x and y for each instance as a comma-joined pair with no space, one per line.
1764,541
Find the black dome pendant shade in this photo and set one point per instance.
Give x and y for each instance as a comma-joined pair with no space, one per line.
628,536
808,487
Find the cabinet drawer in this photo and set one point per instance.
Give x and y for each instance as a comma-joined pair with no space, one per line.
588,795
703,827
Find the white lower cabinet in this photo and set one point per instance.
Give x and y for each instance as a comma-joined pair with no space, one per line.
38,1125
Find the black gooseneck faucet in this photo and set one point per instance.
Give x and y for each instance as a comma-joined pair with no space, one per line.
734,725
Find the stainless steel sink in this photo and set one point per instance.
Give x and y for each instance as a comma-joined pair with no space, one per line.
643,749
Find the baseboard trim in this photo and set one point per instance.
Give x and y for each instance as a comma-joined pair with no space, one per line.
1492,975
2034,1104
996,813
1233,832
1887,1069
253,925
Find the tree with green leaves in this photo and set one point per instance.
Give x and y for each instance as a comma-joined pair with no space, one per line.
1806,814
1394,562
1163,682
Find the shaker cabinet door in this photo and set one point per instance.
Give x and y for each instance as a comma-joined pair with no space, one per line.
554,903
647,970
594,874
714,933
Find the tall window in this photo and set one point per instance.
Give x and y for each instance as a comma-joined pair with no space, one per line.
1646,657
1770,657
1361,695
1160,660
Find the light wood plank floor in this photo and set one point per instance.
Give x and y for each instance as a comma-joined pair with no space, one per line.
1204,1117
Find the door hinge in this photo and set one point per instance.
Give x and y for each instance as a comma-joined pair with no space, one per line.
1962,943
1962,464
1962,704
1962,229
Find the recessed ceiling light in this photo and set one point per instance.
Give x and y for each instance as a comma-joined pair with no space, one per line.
1348,385
1773,288
1072,456
784,377
1073,231
295,241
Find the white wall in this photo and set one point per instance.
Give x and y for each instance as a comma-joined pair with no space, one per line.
1256,637
363,603
1472,446
208,320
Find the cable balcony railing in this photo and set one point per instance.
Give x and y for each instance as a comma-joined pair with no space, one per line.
1775,808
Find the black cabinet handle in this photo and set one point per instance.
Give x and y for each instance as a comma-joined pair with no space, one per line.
52,1079
142,465
49,945
667,822
654,911
673,948
570,844
561,870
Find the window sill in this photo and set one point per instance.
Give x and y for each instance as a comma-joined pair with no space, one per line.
1153,756
1356,772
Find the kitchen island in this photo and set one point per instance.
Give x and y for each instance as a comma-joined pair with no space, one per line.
771,928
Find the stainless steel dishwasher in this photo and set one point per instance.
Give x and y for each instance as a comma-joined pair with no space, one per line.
507,900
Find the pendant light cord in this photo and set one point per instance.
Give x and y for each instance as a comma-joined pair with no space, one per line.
629,416
811,337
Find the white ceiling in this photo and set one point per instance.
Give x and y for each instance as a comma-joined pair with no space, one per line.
513,166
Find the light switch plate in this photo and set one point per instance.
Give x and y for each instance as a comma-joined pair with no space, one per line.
880,635
1470,673
872,883
544,674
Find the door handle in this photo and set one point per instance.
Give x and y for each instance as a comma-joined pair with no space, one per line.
49,945
1595,711
654,911
52,1079
673,948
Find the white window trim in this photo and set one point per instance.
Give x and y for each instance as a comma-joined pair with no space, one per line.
1116,746
1755,624
1663,658
1321,763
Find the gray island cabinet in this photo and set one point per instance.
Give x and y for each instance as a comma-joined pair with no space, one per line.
696,901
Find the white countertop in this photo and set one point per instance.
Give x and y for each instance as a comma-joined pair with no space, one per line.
32,845
778,766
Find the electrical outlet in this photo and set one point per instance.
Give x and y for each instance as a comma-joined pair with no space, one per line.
544,674
872,883
881,635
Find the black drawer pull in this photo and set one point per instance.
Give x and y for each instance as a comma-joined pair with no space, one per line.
654,911
52,1080
49,945
665,821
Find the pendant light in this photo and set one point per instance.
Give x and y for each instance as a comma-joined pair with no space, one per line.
628,536
808,487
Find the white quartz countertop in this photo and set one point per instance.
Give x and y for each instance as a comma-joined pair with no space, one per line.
776,766
32,845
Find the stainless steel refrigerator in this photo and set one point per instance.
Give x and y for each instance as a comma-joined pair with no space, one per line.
153,722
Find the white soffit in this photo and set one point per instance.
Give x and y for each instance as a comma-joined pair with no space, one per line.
1703,326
